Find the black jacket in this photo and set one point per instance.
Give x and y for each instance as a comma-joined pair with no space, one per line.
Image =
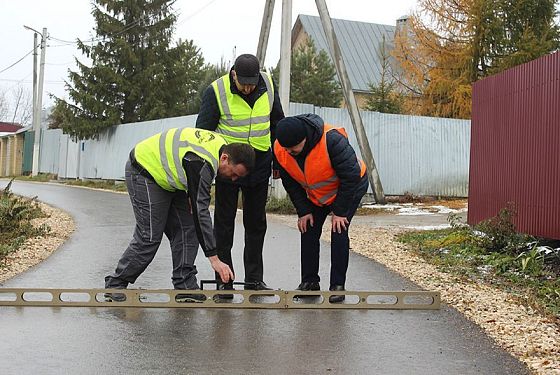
209,116
343,160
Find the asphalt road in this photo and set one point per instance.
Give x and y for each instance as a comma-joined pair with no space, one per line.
107,340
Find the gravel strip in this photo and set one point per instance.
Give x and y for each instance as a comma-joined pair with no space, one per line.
529,336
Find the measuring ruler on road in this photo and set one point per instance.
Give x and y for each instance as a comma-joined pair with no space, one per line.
236,299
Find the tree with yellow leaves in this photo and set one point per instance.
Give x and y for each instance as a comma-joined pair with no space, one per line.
449,44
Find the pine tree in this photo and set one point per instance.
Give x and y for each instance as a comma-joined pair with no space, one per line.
312,77
135,73
211,72
384,96
528,32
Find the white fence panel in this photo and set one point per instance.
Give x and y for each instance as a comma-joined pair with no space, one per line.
49,151
413,154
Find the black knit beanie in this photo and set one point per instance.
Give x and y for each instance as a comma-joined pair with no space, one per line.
290,131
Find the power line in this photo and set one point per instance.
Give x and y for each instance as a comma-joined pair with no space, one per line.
64,63
17,82
17,62
128,27
195,13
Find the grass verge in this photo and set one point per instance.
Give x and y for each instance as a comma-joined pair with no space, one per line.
112,185
493,252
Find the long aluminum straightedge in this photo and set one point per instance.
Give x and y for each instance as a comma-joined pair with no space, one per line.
264,299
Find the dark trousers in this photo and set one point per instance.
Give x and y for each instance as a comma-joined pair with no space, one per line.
157,211
340,243
254,221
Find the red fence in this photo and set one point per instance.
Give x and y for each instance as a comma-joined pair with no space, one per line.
515,146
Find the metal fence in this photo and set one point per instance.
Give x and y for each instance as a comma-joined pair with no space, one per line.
514,150
415,155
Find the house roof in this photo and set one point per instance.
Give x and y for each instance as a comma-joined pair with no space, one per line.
360,44
9,127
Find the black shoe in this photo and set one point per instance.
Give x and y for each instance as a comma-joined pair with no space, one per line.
222,286
337,298
309,285
114,297
190,298
256,285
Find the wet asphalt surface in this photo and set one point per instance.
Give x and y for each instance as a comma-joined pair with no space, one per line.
107,340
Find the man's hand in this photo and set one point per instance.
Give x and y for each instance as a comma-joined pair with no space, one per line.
339,223
304,221
275,174
222,269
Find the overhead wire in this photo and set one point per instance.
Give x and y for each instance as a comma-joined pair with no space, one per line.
17,82
17,62
97,39
92,40
195,13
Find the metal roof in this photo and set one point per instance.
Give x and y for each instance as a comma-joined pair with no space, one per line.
9,127
360,43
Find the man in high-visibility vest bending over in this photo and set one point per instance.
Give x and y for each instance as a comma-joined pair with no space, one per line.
322,175
168,177
243,106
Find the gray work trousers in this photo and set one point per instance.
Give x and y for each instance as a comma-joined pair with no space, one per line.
157,211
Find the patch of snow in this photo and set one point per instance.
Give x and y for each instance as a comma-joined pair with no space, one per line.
413,211
427,227
388,207
447,210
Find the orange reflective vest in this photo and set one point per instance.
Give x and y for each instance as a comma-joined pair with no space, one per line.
319,180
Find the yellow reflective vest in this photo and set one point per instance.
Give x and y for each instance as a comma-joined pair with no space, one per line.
162,154
238,121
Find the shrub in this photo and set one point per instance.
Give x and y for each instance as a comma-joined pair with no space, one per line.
16,214
499,233
280,206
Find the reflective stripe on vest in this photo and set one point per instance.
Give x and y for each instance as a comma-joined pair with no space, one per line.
162,154
319,179
238,121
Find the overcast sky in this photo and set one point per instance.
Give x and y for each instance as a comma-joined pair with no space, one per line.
217,27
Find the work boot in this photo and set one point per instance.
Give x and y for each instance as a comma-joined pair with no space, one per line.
190,297
256,285
114,297
338,298
222,286
309,285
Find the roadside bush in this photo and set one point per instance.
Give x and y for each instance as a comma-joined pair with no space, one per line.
280,206
16,214
500,235
495,252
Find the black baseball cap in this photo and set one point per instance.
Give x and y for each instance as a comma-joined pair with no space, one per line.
247,69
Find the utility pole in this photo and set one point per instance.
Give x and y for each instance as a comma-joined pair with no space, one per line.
285,55
265,32
367,155
37,95
278,191
34,79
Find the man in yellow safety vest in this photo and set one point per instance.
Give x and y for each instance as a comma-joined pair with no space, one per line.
243,106
168,177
